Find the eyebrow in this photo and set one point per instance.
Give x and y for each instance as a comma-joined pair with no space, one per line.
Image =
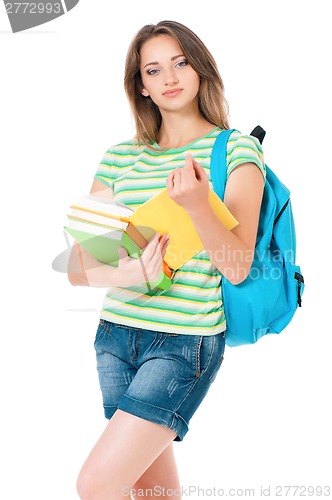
156,62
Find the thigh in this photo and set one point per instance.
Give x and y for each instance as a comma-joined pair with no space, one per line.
163,472
127,448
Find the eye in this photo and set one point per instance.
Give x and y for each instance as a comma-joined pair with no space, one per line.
182,64
152,71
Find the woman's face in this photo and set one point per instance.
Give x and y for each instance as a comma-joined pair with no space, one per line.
167,78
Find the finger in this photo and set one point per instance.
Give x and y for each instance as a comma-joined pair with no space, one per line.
166,239
155,263
151,247
164,250
164,246
160,244
188,171
158,250
170,181
176,173
189,161
169,184
199,170
176,178
154,239
179,177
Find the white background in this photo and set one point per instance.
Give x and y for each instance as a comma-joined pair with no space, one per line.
266,420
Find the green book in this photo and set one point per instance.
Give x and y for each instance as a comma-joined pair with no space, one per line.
105,247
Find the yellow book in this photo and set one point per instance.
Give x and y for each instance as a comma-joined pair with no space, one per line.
165,216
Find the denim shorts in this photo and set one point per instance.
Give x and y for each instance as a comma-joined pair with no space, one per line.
161,377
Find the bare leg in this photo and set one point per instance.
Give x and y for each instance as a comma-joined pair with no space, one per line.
126,449
162,474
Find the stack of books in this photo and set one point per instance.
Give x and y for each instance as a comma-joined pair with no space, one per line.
101,225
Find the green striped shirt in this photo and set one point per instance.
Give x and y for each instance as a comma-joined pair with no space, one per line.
193,305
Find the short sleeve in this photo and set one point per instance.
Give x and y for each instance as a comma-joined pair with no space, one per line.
244,149
105,173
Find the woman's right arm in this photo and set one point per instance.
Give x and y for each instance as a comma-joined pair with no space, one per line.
85,270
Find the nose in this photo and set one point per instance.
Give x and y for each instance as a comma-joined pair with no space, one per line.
171,76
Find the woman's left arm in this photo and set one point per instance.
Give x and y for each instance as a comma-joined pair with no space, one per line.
230,251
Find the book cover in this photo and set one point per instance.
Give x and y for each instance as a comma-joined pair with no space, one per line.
166,216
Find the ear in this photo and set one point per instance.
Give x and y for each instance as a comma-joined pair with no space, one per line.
145,93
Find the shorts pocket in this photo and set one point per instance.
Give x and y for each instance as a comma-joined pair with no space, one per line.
104,328
216,369
209,354
204,351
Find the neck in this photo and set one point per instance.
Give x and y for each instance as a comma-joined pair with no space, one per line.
179,129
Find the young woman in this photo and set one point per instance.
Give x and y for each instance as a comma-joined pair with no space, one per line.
159,351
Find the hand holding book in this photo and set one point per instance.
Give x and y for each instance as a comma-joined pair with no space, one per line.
148,267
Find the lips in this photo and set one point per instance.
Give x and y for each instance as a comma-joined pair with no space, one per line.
172,93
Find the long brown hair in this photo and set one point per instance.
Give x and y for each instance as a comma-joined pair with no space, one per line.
211,100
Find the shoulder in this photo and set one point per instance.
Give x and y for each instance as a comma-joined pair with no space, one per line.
244,148
129,146
116,158
119,155
238,140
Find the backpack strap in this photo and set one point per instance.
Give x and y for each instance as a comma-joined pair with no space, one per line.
259,133
218,166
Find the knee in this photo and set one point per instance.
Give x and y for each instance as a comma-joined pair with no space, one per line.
84,486
87,485
150,486
94,484
147,487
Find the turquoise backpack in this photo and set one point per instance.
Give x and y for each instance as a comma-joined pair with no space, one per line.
265,302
